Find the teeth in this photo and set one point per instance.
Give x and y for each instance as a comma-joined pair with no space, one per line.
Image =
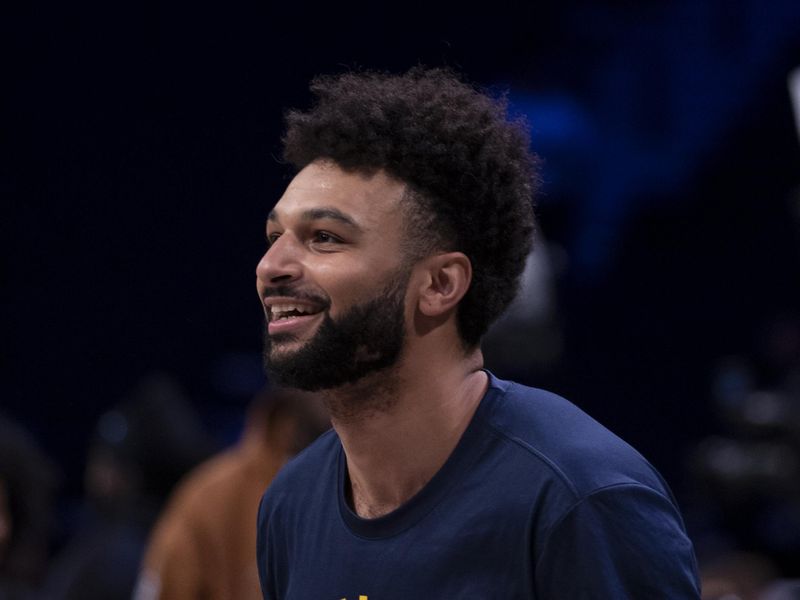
281,311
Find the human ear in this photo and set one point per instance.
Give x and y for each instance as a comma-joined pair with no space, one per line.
447,280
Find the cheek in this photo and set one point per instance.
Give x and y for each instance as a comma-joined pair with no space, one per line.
346,295
352,278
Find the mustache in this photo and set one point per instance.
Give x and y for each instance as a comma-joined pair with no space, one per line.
298,294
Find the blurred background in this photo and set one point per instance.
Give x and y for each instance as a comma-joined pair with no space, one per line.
140,149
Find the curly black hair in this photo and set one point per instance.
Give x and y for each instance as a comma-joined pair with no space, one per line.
467,167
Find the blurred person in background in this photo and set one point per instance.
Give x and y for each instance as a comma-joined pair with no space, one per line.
204,544
27,486
747,477
141,448
527,339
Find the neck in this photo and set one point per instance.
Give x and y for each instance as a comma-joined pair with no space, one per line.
399,428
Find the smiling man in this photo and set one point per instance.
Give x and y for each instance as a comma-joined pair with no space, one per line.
398,242
348,221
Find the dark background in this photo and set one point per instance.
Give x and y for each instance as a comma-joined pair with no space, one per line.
139,163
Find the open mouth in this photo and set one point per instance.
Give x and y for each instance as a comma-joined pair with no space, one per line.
284,311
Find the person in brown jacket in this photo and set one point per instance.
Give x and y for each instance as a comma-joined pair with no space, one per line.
204,543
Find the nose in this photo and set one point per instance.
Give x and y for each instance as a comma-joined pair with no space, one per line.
280,263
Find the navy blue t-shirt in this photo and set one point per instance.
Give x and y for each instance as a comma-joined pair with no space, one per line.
537,500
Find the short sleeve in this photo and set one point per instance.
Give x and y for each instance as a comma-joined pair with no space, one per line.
623,541
262,552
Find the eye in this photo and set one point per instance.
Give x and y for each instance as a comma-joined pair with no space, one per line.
272,238
324,237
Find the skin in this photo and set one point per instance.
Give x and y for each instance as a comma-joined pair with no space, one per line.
338,235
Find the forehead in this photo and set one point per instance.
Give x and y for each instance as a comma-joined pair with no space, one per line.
369,200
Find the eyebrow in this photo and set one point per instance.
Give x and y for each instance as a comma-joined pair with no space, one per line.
315,214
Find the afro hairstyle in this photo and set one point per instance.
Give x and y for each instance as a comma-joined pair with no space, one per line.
468,169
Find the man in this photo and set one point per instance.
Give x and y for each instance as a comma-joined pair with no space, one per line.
204,545
398,242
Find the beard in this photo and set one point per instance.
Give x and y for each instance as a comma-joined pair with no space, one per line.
365,339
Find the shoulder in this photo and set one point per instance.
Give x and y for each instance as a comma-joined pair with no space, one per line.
626,539
550,433
303,474
599,506
202,498
296,501
205,484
